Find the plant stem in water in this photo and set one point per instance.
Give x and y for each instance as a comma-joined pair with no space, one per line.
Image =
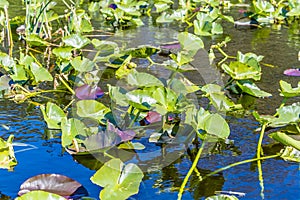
194,165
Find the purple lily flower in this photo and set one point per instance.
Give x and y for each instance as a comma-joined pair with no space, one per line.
86,92
292,72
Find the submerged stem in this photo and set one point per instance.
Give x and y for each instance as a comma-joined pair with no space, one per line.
239,163
258,155
190,171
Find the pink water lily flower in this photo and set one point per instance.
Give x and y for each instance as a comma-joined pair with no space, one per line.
292,72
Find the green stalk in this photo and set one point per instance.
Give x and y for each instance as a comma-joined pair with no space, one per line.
134,119
239,163
258,155
9,34
66,85
190,171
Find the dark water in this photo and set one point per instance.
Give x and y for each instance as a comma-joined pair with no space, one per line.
281,178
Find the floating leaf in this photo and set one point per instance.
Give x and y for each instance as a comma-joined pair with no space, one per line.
252,89
118,180
190,42
287,90
240,71
53,115
290,154
105,47
40,195
118,95
92,109
82,64
125,68
40,73
35,40
55,183
63,52
141,79
218,98
141,99
75,40
222,197
132,145
7,155
86,92
72,129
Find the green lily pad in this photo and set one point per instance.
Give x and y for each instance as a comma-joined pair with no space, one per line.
141,79
118,180
92,109
39,194
241,71
118,95
213,124
287,90
7,155
141,99
218,98
290,154
222,197
190,42
40,73
125,68
252,89
53,115
71,129
75,40
63,52
82,64
35,40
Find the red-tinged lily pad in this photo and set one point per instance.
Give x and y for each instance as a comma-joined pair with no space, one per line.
88,92
152,117
292,72
54,183
112,136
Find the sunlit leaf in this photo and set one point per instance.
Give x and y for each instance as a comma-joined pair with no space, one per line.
40,73
75,40
252,89
290,154
71,129
143,51
63,52
118,95
241,71
35,40
142,79
40,195
118,180
82,64
222,197
287,90
141,99
7,155
92,109
53,115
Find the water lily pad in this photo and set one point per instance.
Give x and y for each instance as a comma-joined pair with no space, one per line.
40,195
252,89
222,197
190,42
287,90
118,180
82,64
143,51
40,73
118,95
7,156
54,183
241,71
141,99
290,154
63,52
75,40
53,115
92,109
141,79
